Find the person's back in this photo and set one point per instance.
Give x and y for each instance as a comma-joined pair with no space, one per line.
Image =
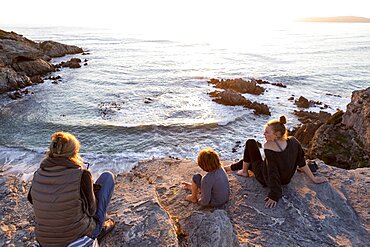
286,160
215,188
65,205
57,204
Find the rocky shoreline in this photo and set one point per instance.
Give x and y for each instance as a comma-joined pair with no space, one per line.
150,210
149,204
24,62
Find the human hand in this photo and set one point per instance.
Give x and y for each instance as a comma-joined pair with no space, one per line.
320,180
270,203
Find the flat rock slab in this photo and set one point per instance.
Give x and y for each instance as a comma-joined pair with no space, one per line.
149,208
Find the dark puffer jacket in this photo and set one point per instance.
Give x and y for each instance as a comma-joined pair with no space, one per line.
58,206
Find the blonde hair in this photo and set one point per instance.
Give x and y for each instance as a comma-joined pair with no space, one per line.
208,160
278,127
64,144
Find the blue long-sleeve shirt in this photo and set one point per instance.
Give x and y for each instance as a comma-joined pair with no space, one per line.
215,188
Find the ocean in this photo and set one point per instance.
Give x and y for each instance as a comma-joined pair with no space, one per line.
141,96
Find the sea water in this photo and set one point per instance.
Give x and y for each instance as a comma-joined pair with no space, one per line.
141,96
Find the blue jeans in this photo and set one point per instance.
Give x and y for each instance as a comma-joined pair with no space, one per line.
103,196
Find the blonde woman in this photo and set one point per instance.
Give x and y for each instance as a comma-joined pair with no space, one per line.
283,155
66,202
214,186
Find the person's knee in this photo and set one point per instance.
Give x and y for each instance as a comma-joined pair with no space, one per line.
197,178
107,178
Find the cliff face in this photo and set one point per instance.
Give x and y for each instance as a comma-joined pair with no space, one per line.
344,140
150,210
23,61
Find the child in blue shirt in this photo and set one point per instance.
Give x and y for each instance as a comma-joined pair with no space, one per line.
214,186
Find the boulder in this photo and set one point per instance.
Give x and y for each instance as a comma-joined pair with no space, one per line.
72,63
302,102
238,85
17,50
343,140
55,49
233,98
33,67
11,80
357,116
311,122
22,59
210,229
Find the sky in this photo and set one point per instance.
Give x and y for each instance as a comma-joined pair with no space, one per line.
142,16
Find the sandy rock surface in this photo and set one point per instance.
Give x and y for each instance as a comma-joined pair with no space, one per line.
149,208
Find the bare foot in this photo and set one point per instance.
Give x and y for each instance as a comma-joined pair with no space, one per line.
227,169
242,173
186,185
192,199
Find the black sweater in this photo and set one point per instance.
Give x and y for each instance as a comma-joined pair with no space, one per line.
279,167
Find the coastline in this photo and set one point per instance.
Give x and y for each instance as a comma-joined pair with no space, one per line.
149,207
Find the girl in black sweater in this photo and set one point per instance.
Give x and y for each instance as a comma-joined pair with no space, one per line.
283,155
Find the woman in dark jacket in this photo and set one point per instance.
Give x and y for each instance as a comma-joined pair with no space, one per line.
283,155
62,193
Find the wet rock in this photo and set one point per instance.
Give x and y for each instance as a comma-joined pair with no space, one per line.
22,59
291,98
72,63
233,98
335,95
33,67
36,79
148,100
52,77
55,49
302,102
279,84
259,81
238,85
11,80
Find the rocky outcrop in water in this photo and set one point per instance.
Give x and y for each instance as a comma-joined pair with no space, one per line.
233,98
344,141
302,102
23,62
150,210
238,85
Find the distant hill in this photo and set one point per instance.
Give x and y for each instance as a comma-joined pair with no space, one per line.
349,19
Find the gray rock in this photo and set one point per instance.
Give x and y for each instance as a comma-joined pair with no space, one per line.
344,140
149,208
21,58
210,229
11,80
55,49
